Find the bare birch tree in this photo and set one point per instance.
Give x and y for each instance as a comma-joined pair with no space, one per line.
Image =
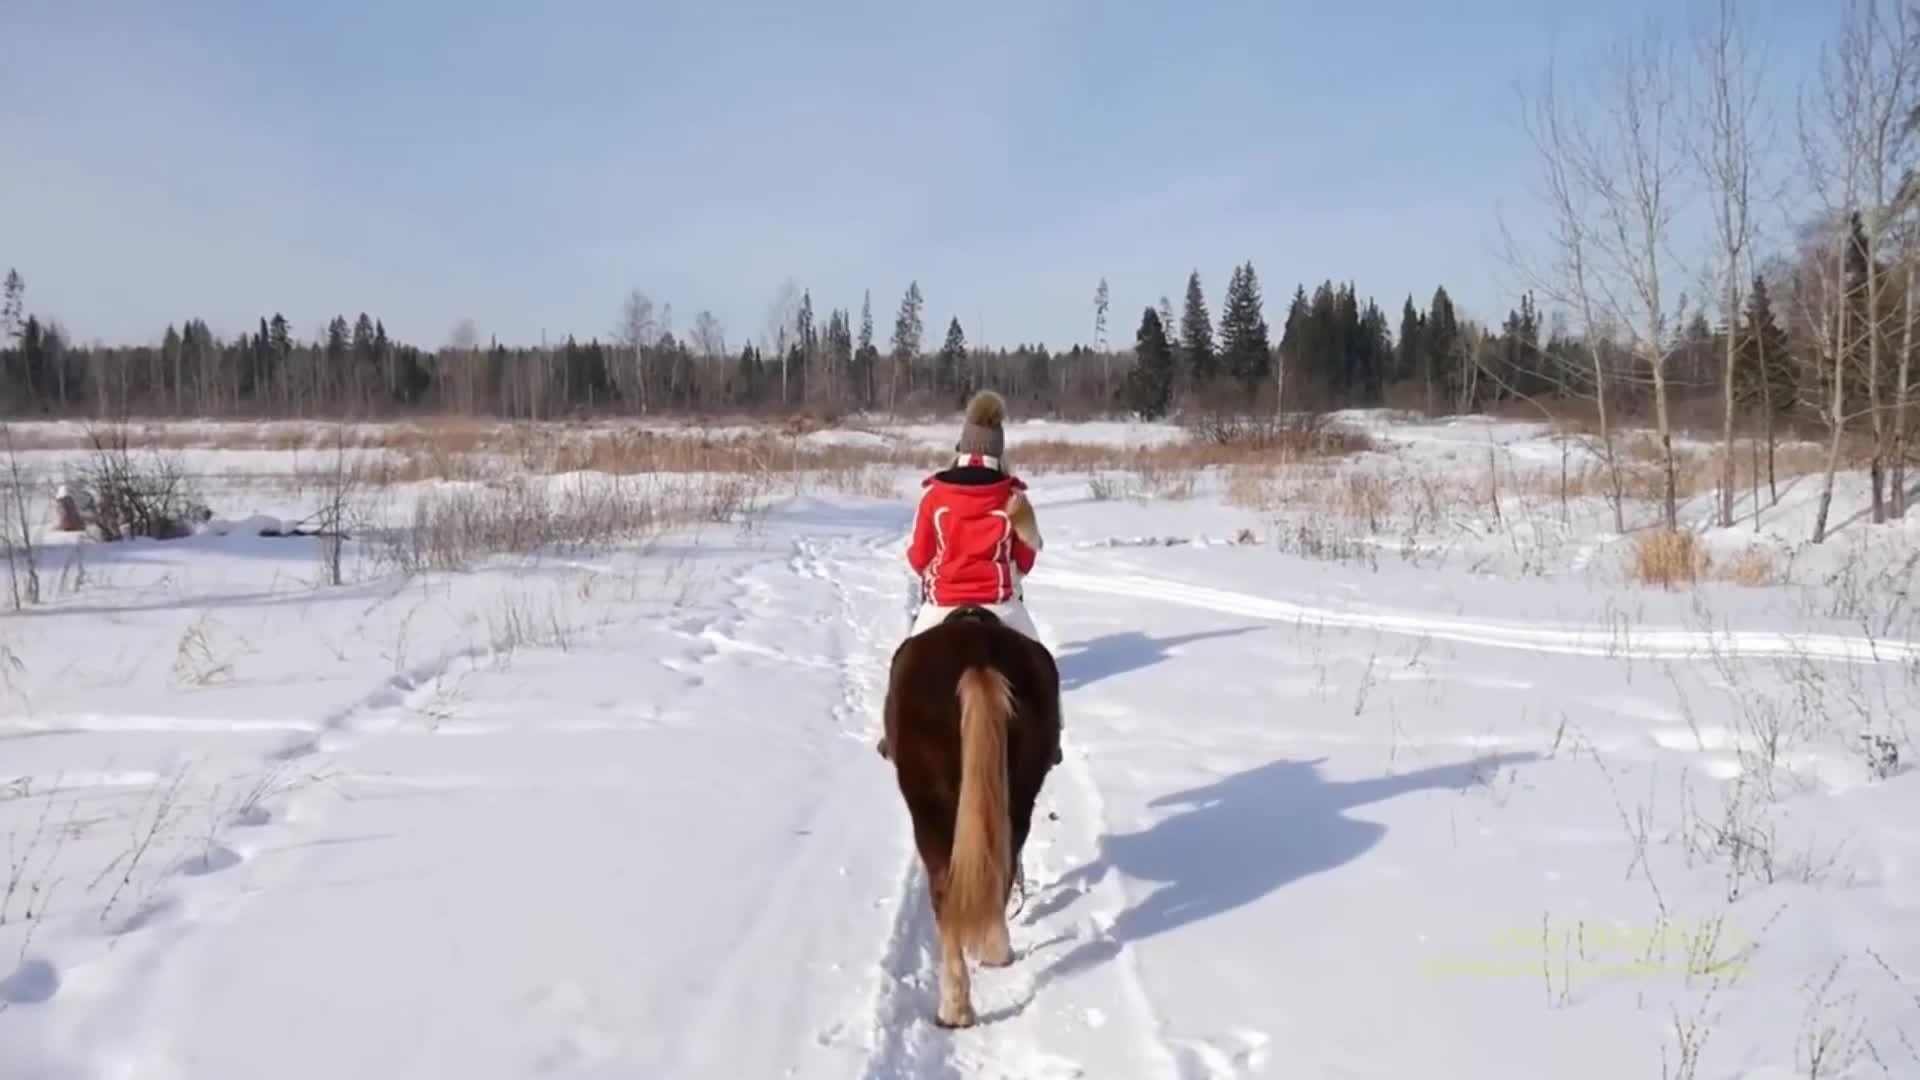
1881,39
1634,169
635,333
779,325
1568,276
1100,305
1727,103
1856,145
709,337
1902,407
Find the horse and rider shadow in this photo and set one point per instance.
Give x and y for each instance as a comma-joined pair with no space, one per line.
1083,663
1238,839
1232,841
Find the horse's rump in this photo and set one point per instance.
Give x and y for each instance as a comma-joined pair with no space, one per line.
973,726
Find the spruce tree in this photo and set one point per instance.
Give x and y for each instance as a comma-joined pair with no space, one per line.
1765,382
1244,350
1196,336
906,344
1376,353
1765,377
746,386
1442,359
1295,332
1410,347
951,374
1150,383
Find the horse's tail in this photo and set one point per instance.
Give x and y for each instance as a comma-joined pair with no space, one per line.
980,866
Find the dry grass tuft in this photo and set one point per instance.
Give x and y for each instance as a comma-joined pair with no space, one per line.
455,530
1755,568
1667,557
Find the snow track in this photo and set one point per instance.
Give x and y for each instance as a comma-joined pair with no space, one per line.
1620,641
1071,1004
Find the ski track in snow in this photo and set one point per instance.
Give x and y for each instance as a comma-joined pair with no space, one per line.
1034,1024
1616,642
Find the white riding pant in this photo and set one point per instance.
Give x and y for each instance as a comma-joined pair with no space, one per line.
1013,613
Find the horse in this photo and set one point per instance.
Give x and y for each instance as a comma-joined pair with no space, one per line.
973,729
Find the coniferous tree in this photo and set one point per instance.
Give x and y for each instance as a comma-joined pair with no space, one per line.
1409,348
1375,350
1244,350
1293,337
1150,383
907,329
1442,352
1766,381
951,376
1196,336
1039,373
1766,377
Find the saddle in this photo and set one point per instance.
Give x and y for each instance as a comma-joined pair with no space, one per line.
972,613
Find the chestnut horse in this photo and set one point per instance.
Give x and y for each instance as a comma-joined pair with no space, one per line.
973,728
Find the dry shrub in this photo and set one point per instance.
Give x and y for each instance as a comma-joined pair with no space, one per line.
1666,557
453,530
868,481
1755,567
1365,498
1253,487
1164,482
131,500
1316,537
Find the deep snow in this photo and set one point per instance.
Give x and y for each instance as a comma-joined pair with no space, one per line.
1350,791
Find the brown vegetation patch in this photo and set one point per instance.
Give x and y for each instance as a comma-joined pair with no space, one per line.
1667,557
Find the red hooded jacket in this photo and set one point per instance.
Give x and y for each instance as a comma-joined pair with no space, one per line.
963,547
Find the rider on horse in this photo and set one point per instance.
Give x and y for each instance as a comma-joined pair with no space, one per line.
974,536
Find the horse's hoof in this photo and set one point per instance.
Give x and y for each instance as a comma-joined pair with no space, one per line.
960,1017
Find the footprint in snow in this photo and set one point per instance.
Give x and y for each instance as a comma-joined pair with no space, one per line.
215,858
33,982
1224,1058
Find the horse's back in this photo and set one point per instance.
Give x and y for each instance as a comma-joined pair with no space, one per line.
923,705
927,668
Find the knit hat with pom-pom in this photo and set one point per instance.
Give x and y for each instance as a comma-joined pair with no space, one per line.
982,434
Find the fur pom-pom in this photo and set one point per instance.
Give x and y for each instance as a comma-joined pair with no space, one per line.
987,409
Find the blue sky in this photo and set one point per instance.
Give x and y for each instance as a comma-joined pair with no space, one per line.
526,165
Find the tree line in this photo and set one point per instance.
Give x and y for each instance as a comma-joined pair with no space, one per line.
1333,350
1625,318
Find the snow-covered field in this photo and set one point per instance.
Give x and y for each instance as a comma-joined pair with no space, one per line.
1384,767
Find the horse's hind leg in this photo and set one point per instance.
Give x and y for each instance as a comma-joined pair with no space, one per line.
956,990
997,951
